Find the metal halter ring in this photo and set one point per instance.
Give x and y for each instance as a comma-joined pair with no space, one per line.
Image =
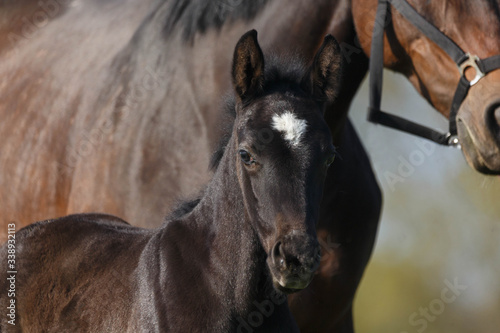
453,141
472,61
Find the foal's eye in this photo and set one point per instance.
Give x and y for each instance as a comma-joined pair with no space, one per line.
246,157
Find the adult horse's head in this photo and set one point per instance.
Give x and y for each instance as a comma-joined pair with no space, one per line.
283,149
475,27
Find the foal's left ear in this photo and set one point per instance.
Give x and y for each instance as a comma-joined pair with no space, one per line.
248,66
326,71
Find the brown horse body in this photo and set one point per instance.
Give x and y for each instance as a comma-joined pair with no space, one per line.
114,136
93,122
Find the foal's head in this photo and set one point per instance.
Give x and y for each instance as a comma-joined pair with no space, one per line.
283,149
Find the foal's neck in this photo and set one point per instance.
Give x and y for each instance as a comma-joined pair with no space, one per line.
235,241
236,258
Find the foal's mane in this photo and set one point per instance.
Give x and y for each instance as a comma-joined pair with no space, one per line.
194,16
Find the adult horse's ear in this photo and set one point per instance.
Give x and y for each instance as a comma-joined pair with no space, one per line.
326,70
248,66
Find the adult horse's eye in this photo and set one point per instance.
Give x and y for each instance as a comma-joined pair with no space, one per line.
246,157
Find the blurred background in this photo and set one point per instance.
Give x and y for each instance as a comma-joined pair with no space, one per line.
436,263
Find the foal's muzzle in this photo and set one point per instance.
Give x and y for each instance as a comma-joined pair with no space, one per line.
293,260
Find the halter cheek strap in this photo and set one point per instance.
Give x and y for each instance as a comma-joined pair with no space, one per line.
462,59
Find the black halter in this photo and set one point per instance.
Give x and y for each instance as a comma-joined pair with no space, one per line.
462,59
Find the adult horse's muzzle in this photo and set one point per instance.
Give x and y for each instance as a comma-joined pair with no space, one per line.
478,124
293,260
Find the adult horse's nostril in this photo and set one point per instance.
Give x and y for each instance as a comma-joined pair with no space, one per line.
493,119
497,116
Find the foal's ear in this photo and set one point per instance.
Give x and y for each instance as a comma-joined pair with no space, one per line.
248,66
326,70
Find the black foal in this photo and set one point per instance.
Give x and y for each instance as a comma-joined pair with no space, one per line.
223,263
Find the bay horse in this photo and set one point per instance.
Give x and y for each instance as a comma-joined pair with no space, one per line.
246,242
90,97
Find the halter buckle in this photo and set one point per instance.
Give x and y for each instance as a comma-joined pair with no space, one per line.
453,141
471,61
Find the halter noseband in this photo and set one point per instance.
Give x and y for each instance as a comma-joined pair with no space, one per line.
462,59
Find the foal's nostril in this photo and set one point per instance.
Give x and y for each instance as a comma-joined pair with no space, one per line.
284,260
293,259
294,265
278,256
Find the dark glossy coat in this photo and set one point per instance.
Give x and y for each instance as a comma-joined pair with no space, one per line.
221,263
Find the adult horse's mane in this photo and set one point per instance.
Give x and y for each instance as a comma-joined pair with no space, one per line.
194,16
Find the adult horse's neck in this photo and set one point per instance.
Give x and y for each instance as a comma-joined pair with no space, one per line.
201,73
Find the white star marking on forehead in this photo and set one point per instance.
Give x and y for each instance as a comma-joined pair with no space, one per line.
291,127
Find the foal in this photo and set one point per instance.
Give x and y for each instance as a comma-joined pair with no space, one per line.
222,263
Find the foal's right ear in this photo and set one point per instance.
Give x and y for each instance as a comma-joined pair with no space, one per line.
248,66
326,71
